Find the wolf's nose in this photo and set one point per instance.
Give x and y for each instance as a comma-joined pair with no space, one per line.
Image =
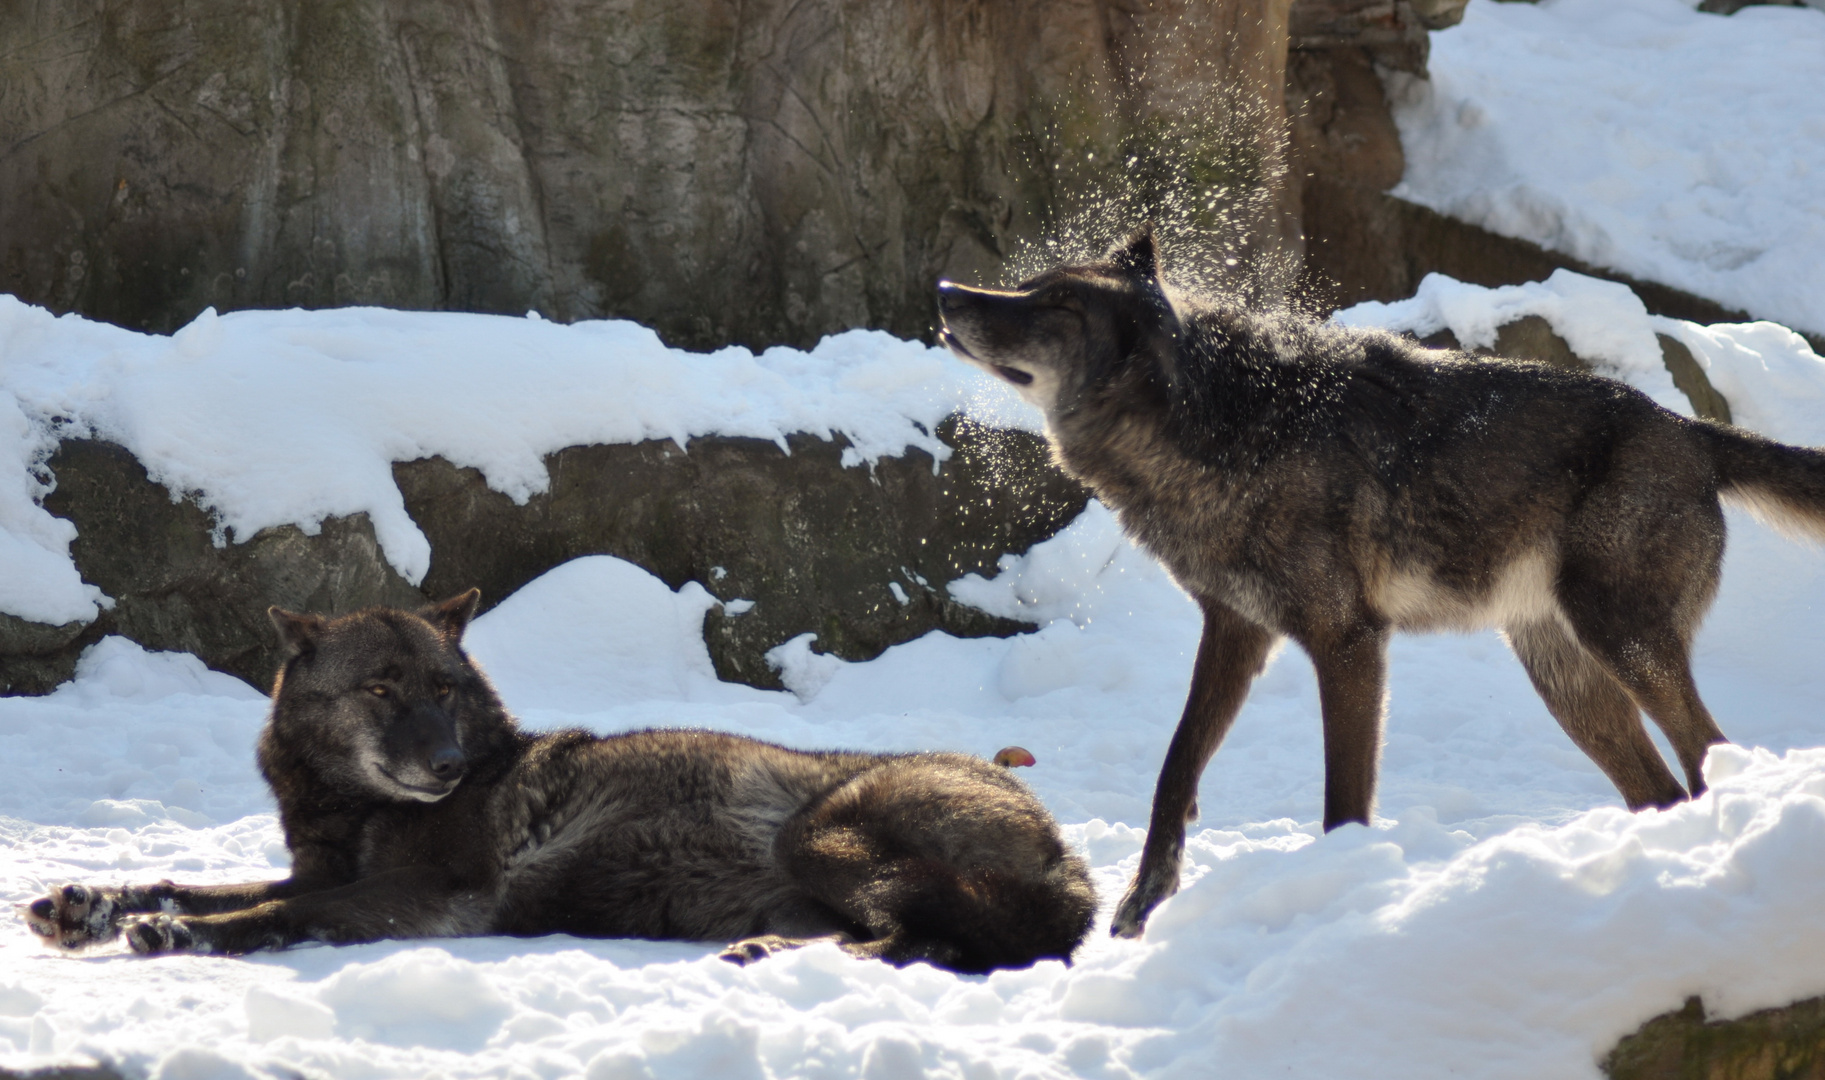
446,764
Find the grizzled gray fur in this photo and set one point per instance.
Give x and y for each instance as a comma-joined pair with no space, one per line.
1332,485
414,807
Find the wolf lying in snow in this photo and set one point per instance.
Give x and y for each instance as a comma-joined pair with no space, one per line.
414,807
1332,485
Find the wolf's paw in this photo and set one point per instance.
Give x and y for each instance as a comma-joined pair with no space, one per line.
747,950
73,916
150,935
1138,902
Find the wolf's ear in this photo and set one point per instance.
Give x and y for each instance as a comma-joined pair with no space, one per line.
1137,256
452,616
1155,329
297,633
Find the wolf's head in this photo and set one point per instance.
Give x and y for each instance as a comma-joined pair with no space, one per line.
381,703
1063,334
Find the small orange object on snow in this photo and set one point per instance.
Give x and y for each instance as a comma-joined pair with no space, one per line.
1012,756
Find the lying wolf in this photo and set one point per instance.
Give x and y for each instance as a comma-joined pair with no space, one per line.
414,807
1333,485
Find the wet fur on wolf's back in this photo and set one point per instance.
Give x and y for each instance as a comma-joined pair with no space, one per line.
1333,485
415,807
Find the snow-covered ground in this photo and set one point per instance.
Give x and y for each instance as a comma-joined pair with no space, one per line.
1504,917
1641,135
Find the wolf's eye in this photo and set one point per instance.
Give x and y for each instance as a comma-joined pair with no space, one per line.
379,691
442,690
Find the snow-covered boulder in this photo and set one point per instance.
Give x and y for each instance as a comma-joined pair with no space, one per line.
170,489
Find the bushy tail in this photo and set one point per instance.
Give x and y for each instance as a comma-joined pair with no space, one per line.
978,922
1781,485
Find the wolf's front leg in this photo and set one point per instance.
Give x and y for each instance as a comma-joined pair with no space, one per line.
1351,665
402,903
1230,655
74,916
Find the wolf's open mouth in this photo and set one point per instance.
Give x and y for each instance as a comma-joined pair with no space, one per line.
1011,374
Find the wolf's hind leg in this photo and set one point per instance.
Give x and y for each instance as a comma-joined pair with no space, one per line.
1596,712
794,926
945,859
1231,653
1637,573
971,920
748,950
1656,671
898,948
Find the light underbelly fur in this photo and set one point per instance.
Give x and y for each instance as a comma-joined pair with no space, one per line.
1520,592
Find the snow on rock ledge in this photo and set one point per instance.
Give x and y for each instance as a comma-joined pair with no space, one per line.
1760,375
332,459
270,418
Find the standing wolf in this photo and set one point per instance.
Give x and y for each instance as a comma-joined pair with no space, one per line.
1333,485
414,807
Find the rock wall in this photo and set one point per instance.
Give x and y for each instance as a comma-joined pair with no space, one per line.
813,544
749,171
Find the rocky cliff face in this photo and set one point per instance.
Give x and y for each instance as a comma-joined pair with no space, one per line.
722,170
750,171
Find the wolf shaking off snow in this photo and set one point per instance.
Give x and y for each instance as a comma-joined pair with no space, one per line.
1332,485
414,807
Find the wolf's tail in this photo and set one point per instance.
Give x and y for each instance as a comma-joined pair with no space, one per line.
1781,485
976,922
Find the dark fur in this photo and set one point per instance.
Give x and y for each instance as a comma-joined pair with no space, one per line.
1333,485
414,807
